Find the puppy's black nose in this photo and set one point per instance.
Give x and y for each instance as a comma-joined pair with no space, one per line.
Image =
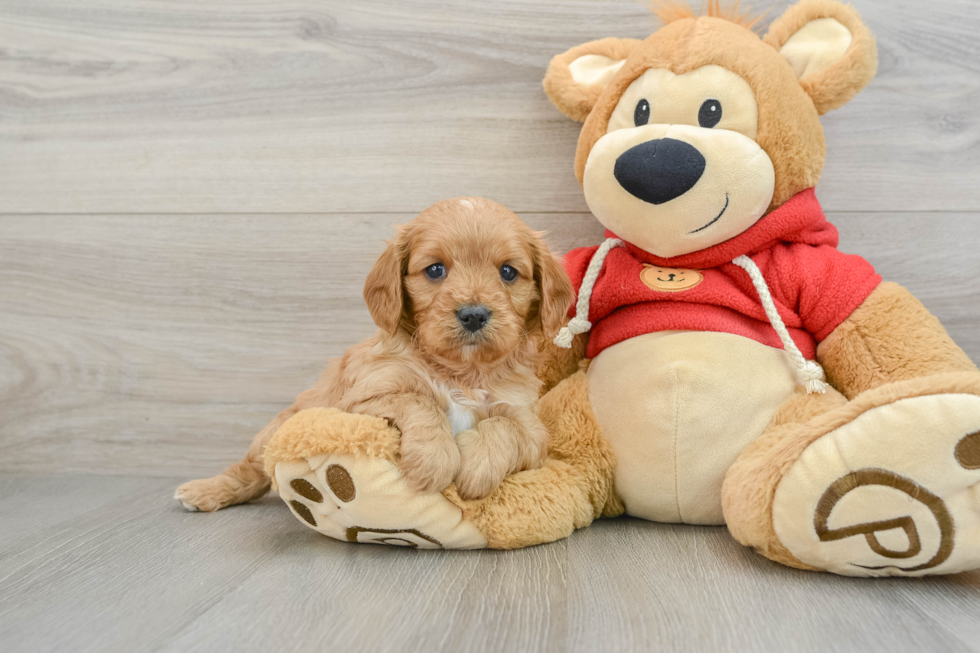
473,318
659,171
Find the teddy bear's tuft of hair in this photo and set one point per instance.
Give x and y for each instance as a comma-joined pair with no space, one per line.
669,11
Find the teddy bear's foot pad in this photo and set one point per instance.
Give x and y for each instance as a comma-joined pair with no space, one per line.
896,491
364,499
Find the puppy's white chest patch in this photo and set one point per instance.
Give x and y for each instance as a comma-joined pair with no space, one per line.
462,410
461,418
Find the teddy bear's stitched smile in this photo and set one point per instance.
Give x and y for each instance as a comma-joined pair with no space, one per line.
715,220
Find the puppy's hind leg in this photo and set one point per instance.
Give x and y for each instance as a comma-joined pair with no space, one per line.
241,482
246,480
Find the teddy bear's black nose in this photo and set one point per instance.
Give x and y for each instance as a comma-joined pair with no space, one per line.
658,171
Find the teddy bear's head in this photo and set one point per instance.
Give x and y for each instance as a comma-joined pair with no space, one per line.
694,134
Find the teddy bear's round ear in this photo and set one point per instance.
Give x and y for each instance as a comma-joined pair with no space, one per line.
576,78
830,49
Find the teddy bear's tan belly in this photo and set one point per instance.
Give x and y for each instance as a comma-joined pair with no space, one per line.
678,408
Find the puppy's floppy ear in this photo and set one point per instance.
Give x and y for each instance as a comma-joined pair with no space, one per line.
576,78
832,51
554,287
383,292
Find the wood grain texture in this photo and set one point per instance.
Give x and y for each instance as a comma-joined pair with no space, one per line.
132,106
115,565
684,588
160,344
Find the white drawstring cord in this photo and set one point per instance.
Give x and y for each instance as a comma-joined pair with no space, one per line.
809,373
580,323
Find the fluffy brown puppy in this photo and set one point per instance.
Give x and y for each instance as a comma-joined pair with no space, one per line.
457,295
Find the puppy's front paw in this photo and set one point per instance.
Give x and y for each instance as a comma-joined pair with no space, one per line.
479,470
429,464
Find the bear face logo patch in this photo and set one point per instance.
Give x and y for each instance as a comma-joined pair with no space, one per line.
670,279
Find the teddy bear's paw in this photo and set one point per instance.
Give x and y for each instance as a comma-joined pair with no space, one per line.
339,475
896,491
368,500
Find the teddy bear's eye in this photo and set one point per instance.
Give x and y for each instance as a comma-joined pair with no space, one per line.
641,115
710,114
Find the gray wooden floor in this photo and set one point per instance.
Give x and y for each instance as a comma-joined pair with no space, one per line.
191,194
96,563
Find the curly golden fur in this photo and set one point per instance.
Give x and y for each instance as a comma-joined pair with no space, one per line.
427,374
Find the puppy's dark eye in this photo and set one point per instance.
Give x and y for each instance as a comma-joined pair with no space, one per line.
507,273
710,114
435,271
641,114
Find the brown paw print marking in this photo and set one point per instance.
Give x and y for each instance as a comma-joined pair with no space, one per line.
968,451
398,537
863,477
303,512
306,490
341,483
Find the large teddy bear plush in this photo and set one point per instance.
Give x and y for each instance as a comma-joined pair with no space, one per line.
725,363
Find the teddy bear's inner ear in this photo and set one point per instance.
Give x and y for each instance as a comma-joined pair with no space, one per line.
592,69
576,78
817,46
830,49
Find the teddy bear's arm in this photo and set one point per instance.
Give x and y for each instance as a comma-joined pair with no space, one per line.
556,363
890,337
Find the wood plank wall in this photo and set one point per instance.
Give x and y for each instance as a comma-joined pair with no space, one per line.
191,193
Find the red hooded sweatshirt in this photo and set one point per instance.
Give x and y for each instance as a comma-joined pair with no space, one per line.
814,286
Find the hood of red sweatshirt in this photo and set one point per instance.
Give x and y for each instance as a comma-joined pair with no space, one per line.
799,220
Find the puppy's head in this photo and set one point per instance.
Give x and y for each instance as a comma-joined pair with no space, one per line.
469,280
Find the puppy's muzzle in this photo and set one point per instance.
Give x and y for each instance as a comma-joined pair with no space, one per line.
473,318
660,170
